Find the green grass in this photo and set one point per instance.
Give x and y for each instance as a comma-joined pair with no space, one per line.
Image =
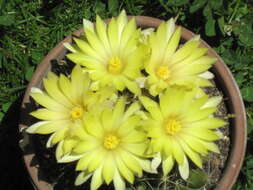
30,28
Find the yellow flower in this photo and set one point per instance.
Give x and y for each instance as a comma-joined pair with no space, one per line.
65,102
112,147
111,53
182,126
168,66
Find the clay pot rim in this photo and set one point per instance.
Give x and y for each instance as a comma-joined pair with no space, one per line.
229,88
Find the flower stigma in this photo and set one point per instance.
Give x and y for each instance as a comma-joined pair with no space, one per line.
115,65
172,126
76,113
163,72
111,142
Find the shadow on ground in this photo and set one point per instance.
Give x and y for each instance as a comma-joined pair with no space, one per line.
13,175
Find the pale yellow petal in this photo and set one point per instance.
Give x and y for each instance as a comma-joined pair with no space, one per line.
97,179
194,143
48,102
177,151
194,156
51,84
109,168
118,111
173,44
32,129
96,44
68,145
132,86
131,110
101,29
134,137
130,162
82,178
137,149
85,146
87,49
184,169
118,181
152,108
113,35
45,114
53,126
65,87
124,171
59,135
97,161
129,125
59,151
204,134
167,165
185,51
93,126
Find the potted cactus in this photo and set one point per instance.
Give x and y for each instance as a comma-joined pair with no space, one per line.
134,105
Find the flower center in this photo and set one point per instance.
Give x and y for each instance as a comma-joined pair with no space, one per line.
172,127
76,113
163,72
111,142
114,65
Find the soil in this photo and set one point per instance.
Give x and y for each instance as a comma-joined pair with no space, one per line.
62,176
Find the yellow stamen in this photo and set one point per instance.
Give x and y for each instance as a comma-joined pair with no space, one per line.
115,65
163,72
172,126
111,142
76,113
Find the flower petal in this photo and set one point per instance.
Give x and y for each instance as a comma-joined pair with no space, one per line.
167,165
53,126
177,151
69,158
32,129
152,107
96,180
184,169
101,29
185,51
190,153
124,171
146,165
93,126
132,86
69,144
51,84
109,168
131,110
59,135
45,114
59,151
173,43
134,137
48,102
118,181
113,35
82,178
85,146
118,111
130,162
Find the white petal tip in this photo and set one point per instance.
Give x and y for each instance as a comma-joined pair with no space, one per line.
69,47
36,90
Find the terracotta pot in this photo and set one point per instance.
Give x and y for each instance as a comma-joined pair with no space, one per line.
223,77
